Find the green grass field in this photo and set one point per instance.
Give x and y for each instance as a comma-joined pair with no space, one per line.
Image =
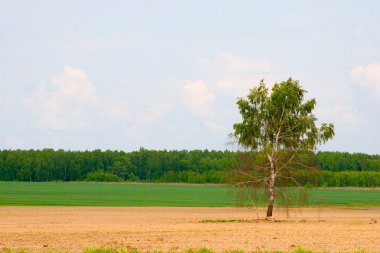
106,194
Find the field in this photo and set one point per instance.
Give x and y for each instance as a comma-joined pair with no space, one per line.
179,228
71,217
108,194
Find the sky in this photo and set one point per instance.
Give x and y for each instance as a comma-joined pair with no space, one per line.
120,75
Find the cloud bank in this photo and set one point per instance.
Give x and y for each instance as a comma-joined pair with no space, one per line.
369,77
70,101
199,98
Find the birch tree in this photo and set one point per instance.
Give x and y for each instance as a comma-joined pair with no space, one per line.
276,125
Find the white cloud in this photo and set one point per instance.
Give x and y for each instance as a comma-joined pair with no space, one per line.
73,84
347,115
240,86
227,76
368,76
146,116
69,101
58,103
234,74
199,98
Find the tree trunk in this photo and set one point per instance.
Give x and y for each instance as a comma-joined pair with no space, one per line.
269,210
271,191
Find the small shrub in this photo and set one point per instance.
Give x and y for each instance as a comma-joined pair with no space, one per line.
101,176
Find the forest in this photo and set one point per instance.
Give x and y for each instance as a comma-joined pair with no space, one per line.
195,166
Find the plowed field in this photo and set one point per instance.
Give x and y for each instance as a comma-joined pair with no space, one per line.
176,228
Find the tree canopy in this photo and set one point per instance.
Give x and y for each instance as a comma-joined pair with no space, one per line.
279,120
192,166
276,124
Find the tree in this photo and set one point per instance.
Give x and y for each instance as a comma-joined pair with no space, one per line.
276,125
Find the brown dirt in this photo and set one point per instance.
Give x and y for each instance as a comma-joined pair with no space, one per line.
176,228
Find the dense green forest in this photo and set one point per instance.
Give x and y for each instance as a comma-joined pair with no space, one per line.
196,166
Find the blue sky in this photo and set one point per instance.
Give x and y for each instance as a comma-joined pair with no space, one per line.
166,74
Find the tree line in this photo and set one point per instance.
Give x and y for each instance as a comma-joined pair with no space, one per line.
195,166
343,161
142,165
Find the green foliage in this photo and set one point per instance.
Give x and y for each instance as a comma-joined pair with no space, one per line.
300,250
223,221
178,166
109,250
142,165
343,161
319,178
201,250
189,176
276,125
101,176
279,120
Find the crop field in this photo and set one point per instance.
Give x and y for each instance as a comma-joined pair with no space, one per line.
115,194
73,217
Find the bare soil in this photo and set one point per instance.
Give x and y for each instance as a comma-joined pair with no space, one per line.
179,228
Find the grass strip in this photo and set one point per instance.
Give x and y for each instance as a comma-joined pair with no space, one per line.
201,250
